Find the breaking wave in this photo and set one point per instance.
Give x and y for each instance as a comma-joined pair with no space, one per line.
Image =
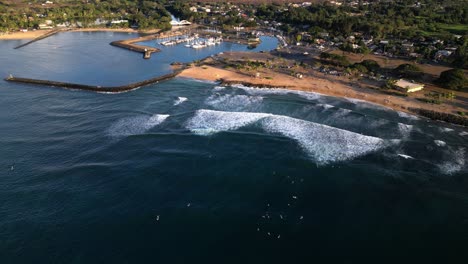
326,106
234,102
208,122
277,91
440,143
406,115
405,156
219,88
324,144
180,100
135,125
445,129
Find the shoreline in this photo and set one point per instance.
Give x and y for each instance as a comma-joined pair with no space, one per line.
32,34
215,69
327,86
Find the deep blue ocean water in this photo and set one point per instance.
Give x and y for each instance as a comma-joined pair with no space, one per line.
187,171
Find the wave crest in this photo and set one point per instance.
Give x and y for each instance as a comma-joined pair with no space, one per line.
324,144
180,100
135,125
234,102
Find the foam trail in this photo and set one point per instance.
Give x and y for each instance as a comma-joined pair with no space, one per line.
234,102
463,133
405,156
324,144
135,125
280,91
456,164
180,100
440,143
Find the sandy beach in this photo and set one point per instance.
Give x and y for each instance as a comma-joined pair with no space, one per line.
31,34
327,85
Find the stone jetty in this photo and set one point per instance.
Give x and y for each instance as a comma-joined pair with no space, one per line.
94,88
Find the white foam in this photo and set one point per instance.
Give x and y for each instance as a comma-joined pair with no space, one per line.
456,163
405,156
405,129
324,144
440,143
208,122
341,112
463,133
180,100
219,88
446,129
234,102
278,91
135,125
406,115
365,104
326,106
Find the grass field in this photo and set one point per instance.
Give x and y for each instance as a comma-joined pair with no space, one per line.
459,29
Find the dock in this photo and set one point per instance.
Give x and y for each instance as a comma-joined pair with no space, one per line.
146,50
93,88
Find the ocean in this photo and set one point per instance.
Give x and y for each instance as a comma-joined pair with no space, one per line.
187,171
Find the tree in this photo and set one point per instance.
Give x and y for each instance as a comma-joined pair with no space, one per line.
454,79
408,70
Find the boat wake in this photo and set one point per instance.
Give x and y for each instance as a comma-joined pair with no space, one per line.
323,144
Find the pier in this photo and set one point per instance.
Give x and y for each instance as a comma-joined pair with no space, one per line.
94,88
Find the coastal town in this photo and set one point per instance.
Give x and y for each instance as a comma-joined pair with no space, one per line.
239,131
422,65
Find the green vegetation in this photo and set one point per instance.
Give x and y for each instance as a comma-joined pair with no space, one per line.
437,98
408,71
460,29
454,79
334,59
94,13
366,66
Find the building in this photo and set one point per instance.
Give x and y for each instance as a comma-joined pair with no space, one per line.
180,23
407,86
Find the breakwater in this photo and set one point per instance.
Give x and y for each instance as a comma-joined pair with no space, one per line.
440,116
93,88
46,35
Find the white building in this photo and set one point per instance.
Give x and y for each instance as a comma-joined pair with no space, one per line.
407,86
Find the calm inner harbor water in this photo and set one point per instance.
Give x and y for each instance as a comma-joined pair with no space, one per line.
187,171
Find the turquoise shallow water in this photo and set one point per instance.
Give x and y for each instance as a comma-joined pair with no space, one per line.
187,171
